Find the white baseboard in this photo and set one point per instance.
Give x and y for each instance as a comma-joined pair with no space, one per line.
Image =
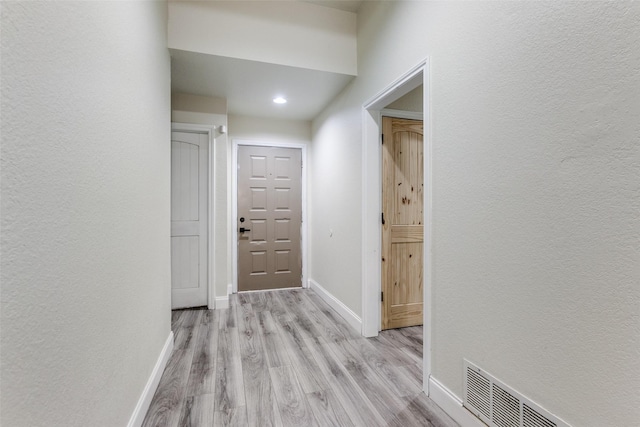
344,311
222,303
152,384
452,405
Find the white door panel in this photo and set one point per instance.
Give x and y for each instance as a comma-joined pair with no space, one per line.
189,210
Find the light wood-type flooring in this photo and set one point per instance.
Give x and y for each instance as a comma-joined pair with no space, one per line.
285,358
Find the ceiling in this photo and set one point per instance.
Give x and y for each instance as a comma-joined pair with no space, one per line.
250,86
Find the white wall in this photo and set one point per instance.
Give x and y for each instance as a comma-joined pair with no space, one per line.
261,129
85,209
335,205
189,108
288,33
412,101
536,204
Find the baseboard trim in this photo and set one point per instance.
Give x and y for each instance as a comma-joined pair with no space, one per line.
152,384
452,404
344,311
222,303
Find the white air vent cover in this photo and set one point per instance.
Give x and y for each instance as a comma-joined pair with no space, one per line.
498,405
479,392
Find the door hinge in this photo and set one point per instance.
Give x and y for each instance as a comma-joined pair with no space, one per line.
382,218
382,138
382,296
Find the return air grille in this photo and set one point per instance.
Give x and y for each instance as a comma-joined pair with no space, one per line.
506,408
479,392
531,418
498,405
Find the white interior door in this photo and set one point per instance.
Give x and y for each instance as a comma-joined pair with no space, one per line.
189,211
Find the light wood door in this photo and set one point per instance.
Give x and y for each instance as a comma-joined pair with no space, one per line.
189,210
402,230
270,213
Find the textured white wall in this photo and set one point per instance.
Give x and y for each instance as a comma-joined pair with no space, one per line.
335,203
536,201
289,33
412,101
196,109
85,209
256,128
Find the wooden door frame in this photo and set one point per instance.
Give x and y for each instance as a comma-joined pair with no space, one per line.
210,131
372,112
234,203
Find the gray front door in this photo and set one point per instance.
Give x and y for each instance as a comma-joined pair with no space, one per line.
269,217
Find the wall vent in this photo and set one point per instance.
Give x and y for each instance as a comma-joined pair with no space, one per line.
498,405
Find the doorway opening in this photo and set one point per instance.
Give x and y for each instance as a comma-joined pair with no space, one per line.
402,242
269,242
373,112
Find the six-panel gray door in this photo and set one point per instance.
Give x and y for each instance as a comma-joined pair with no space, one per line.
269,217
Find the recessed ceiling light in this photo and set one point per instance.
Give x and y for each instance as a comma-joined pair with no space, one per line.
279,100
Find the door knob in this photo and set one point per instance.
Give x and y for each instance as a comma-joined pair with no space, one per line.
242,229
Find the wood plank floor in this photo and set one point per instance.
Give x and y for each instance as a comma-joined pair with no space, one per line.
285,358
